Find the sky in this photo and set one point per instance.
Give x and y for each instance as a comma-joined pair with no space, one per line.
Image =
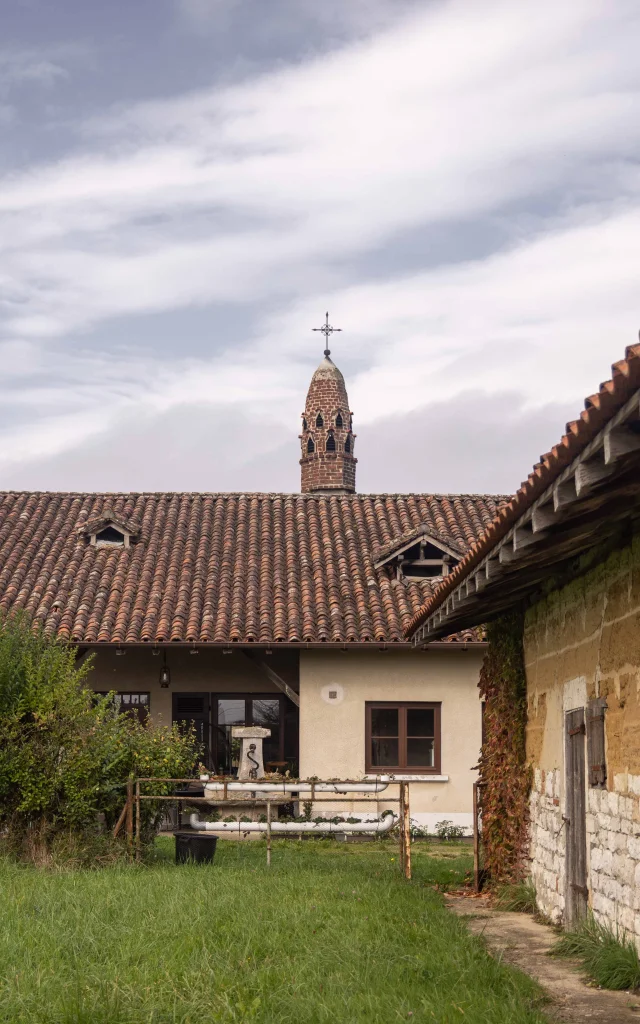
186,186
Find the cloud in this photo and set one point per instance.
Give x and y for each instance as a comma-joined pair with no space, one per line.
333,18
23,67
276,193
474,443
194,446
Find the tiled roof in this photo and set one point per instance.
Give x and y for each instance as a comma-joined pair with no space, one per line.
612,395
263,568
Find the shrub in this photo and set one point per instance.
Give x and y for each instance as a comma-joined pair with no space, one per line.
65,754
610,960
446,830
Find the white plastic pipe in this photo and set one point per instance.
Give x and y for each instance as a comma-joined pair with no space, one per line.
379,825
380,784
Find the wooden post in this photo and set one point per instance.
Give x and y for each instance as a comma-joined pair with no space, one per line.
401,823
406,830
268,833
120,822
138,822
130,814
476,840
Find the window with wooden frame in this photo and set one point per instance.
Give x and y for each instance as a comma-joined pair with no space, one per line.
402,737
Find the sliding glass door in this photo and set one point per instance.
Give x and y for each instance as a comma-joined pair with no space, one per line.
214,716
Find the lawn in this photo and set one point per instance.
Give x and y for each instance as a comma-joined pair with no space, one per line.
330,933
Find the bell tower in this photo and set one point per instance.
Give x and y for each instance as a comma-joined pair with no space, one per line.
327,438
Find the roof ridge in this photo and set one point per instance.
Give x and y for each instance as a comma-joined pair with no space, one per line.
434,495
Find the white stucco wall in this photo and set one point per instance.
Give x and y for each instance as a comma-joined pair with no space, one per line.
332,731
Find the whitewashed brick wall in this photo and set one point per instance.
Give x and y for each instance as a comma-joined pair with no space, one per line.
547,843
613,850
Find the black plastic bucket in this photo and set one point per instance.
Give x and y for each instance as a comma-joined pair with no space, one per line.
195,847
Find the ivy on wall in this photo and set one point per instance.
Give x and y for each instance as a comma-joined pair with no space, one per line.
504,773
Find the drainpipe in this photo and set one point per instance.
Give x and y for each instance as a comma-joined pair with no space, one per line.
383,824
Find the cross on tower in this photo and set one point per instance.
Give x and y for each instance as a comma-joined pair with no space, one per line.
327,330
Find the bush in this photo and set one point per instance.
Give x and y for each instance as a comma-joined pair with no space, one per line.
66,754
611,961
446,830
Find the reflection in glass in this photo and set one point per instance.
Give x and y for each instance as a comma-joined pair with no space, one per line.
266,713
230,712
420,721
420,753
384,722
384,753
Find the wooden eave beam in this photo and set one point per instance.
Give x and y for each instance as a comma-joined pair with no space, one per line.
543,517
620,441
564,494
273,677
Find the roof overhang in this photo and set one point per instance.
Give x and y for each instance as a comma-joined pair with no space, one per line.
303,645
589,504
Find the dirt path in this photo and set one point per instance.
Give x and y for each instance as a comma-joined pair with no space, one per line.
519,940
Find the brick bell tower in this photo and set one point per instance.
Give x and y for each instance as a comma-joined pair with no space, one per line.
327,438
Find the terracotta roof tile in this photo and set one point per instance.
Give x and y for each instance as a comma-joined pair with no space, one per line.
223,568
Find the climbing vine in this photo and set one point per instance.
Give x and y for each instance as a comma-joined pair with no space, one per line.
504,773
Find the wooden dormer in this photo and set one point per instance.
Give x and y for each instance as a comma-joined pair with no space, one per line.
110,530
421,553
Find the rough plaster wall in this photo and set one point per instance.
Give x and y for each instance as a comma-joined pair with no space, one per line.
332,732
583,641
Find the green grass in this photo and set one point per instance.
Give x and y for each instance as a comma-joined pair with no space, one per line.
331,934
519,897
611,961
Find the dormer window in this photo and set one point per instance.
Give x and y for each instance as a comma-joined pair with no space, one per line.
110,530
424,560
331,442
304,423
319,420
339,421
422,553
111,537
347,445
310,446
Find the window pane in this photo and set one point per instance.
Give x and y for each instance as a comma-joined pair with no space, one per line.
420,721
420,753
231,712
384,722
384,753
266,713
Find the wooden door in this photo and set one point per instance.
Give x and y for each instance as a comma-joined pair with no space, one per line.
576,891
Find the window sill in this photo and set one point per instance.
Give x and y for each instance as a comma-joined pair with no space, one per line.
409,778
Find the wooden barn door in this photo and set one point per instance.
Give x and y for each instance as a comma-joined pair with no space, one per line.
576,892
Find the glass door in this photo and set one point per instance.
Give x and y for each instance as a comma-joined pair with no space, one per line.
214,715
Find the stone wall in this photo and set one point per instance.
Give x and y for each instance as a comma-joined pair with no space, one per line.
547,842
613,836
582,642
613,848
